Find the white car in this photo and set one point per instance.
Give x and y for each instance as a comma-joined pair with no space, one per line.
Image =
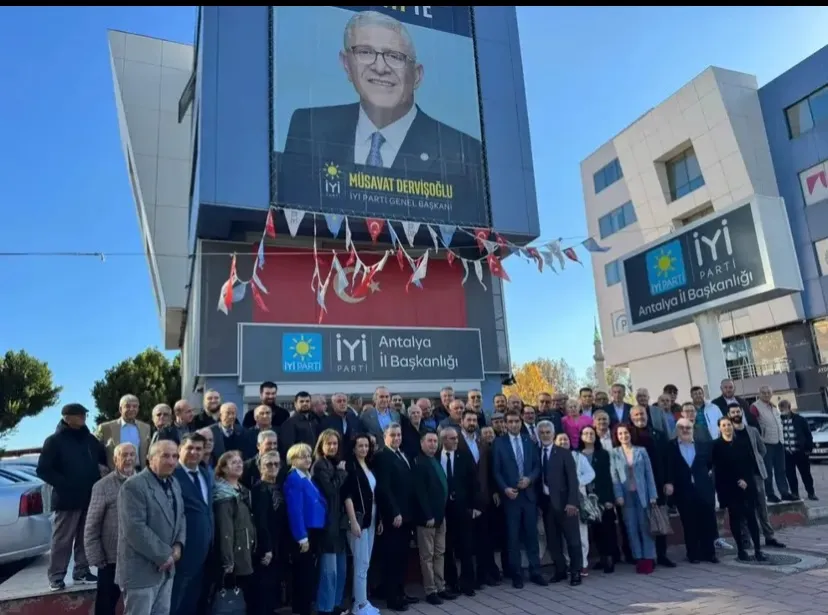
818,422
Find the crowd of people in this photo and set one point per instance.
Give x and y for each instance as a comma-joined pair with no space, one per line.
317,507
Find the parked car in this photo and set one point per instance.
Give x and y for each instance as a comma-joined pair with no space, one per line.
28,465
25,527
815,419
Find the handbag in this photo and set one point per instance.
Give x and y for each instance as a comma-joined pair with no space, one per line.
590,509
229,602
659,520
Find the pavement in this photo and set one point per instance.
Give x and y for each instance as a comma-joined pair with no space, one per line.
728,588
818,510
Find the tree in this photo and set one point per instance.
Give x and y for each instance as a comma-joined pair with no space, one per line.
26,388
150,376
529,382
559,374
614,375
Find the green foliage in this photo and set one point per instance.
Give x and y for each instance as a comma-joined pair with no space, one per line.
150,376
26,389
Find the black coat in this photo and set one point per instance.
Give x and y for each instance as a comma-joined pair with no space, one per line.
804,438
691,484
330,481
358,490
70,463
732,463
602,485
278,416
431,494
252,475
301,427
464,489
411,437
396,493
270,515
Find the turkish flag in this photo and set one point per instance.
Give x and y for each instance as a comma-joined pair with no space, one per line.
374,227
290,299
496,267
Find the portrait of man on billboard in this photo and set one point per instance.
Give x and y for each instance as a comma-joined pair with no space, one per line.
385,128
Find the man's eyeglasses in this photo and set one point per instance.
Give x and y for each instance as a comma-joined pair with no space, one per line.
272,464
368,55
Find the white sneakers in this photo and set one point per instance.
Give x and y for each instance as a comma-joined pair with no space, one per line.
365,609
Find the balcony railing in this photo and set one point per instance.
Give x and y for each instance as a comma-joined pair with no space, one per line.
757,370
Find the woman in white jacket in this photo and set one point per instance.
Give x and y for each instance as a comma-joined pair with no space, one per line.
585,476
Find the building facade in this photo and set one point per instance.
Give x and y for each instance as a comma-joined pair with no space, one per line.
262,124
718,140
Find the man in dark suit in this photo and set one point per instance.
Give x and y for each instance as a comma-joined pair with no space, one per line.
303,426
558,498
344,422
266,441
183,414
431,490
267,395
209,412
463,508
385,128
197,493
618,409
690,484
516,468
393,470
228,435
480,452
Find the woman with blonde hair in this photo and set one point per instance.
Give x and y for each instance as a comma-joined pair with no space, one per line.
328,473
306,509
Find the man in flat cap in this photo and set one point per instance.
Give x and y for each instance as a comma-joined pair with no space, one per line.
71,462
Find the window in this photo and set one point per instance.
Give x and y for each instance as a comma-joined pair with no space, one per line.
808,113
757,355
607,175
612,271
617,219
684,174
819,328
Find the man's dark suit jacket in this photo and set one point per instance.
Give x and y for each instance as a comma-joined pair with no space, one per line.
506,470
691,483
334,421
327,134
301,427
395,492
610,409
561,478
237,441
483,467
554,417
430,491
464,488
199,520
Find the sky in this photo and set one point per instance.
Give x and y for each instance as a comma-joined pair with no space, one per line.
589,73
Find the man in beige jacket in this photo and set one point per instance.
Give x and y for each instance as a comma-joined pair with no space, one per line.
125,429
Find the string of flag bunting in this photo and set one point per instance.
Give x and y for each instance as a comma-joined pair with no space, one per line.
489,242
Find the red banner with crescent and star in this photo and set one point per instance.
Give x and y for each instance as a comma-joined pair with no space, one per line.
287,274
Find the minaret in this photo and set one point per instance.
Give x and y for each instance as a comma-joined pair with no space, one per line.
598,357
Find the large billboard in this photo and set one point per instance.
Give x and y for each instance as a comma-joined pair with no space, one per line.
291,353
376,113
728,260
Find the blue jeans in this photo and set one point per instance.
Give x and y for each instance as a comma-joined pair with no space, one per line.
361,548
331,581
637,523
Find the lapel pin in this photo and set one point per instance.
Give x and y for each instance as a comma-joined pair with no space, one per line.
424,157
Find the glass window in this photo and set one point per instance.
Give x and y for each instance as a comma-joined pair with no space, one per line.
819,106
684,174
769,353
612,271
807,113
738,359
820,332
616,220
606,176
